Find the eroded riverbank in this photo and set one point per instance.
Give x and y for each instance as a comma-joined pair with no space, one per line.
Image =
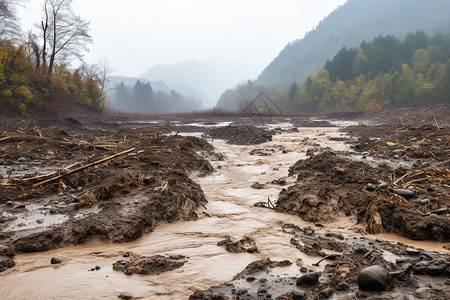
230,212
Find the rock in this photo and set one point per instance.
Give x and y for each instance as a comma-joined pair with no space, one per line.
284,151
404,193
396,156
72,207
309,279
280,181
125,296
326,293
343,286
412,251
55,260
375,278
391,144
424,201
403,274
303,269
147,265
40,221
241,291
252,250
257,186
309,231
97,268
53,210
79,189
60,194
18,205
10,203
370,187
298,294
425,165
441,211
383,186
126,254
137,201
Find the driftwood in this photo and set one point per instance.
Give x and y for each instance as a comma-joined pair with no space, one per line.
83,167
435,122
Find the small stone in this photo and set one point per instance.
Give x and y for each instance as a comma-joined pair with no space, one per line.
395,156
424,201
391,144
298,294
10,203
375,278
441,211
304,269
404,193
72,207
252,250
60,194
21,159
412,251
18,205
79,189
126,254
40,221
343,275
92,269
53,210
326,293
343,286
425,165
97,268
309,231
284,151
383,186
309,279
262,291
257,186
55,260
125,296
241,291
370,187
137,201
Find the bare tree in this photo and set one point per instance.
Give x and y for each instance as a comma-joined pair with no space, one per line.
9,25
100,73
64,33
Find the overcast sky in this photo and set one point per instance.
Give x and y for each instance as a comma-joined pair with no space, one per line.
135,35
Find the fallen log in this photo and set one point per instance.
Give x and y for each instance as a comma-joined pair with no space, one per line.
83,167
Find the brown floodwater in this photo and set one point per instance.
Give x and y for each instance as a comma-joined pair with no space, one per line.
231,213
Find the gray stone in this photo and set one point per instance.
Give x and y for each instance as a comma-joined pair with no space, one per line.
412,251
309,279
441,211
326,293
370,187
404,193
383,186
241,291
72,207
257,186
53,210
375,278
391,144
55,260
298,294
125,296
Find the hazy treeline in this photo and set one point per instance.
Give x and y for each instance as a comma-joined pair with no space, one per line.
141,98
386,72
33,66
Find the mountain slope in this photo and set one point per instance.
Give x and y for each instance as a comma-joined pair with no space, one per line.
349,25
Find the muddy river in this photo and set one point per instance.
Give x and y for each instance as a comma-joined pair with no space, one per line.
230,212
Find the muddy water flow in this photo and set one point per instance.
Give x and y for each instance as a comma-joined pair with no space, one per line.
230,212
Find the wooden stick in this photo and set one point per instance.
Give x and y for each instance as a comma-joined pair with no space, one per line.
83,167
435,122
5,138
395,182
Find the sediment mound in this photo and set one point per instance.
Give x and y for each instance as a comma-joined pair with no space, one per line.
241,135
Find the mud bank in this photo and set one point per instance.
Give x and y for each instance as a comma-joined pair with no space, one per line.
117,201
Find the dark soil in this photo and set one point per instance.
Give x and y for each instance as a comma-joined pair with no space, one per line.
147,265
118,200
241,135
246,244
330,185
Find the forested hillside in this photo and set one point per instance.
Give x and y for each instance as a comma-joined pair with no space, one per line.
141,98
348,26
386,72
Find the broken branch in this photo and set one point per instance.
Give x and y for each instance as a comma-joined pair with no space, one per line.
83,167
5,138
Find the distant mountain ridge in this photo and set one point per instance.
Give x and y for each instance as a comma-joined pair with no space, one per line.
349,25
210,77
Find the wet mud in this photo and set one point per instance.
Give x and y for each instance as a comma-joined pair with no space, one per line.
309,211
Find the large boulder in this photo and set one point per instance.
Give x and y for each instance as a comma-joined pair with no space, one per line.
375,278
